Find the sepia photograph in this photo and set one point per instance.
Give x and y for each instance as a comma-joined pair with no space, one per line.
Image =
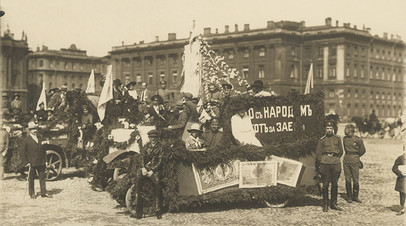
258,174
167,112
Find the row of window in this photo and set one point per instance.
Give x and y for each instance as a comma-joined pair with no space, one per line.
380,110
363,95
66,65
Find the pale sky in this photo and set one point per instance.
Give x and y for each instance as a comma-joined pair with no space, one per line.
98,25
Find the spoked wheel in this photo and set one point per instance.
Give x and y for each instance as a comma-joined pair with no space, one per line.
54,165
276,205
130,200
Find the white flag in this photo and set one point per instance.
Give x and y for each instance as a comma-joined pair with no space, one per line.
309,83
42,98
106,93
90,84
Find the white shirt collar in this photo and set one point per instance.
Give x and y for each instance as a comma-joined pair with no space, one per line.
34,137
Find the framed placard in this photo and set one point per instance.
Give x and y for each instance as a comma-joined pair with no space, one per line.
258,174
288,170
222,176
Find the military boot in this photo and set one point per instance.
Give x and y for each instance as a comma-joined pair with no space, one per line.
355,191
325,199
349,191
334,193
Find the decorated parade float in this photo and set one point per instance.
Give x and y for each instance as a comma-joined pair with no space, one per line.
233,175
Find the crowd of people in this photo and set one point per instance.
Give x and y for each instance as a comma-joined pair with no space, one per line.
198,123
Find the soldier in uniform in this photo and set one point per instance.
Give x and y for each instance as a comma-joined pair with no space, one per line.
150,168
328,153
354,148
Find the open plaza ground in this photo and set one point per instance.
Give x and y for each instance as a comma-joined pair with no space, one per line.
74,203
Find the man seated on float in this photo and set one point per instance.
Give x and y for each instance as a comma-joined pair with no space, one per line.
41,115
190,107
150,167
214,99
258,89
213,137
157,113
183,117
194,142
241,126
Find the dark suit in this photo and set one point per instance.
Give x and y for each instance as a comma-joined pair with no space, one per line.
33,153
160,117
150,159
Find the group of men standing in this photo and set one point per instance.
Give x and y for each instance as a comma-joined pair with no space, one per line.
328,153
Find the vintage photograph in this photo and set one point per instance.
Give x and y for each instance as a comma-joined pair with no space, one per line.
258,174
222,176
166,112
288,170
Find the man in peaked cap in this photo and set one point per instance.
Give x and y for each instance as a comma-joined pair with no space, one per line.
258,89
354,148
328,152
150,168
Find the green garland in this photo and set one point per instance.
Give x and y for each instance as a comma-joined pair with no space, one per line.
302,145
134,136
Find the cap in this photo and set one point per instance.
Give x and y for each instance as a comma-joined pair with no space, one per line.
157,98
54,89
226,86
162,82
84,107
32,125
4,95
188,96
153,133
195,128
238,106
131,84
258,83
329,123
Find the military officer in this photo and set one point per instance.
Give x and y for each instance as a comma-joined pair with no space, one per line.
150,168
328,153
354,148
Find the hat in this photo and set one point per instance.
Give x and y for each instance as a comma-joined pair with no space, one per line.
238,106
153,133
130,84
180,105
157,98
329,123
4,95
117,82
258,83
42,103
16,95
84,107
54,89
64,88
144,84
163,82
195,128
32,125
227,86
188,96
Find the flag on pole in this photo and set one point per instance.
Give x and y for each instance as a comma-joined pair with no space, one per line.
90,83
106,93
309,83
42,97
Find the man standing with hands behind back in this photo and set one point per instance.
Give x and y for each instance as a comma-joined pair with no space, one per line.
328,153
354,149
34,154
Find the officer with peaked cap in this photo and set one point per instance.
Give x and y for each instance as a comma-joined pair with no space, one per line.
354,149
328,152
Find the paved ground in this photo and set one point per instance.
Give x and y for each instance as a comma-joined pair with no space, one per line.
74,203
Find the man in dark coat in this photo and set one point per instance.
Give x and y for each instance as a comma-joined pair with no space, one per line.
34,154
354,148
157,112
328,152
150,168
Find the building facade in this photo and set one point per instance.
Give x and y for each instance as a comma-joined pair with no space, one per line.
13,69
357,71
69,67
